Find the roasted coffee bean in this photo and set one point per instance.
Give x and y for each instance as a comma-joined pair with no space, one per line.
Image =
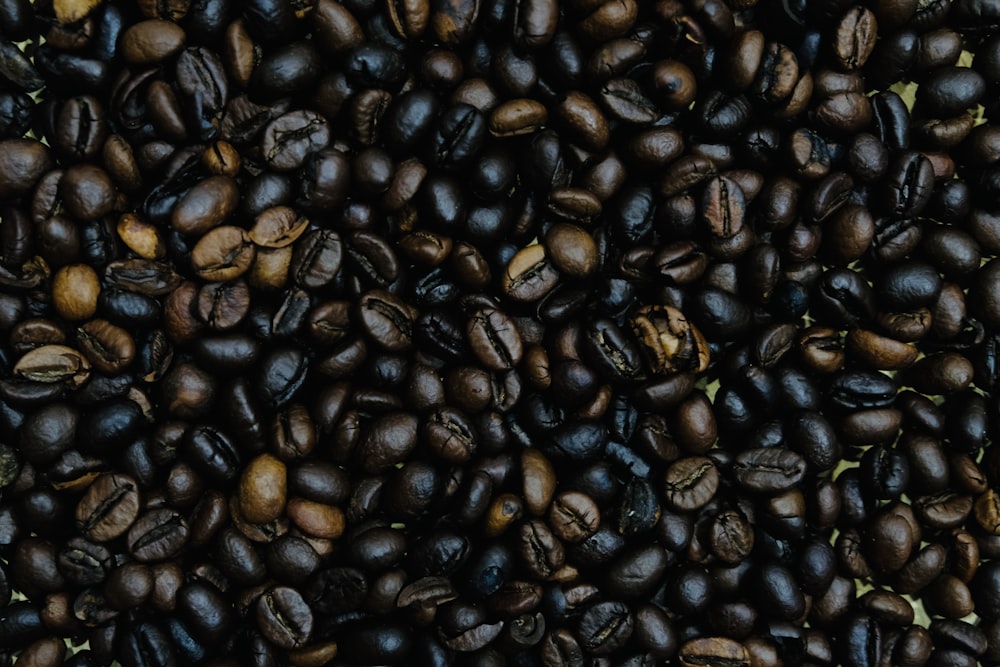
317,259
671,341
605,627
494,339
157,535
284,617
768,470
288,140
222,254
109,507
691,483
387,320
386,332
709,650
573,516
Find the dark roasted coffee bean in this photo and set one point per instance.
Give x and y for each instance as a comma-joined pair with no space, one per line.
284,617
288,140
768,470
605,627
109,508
157,535
691,483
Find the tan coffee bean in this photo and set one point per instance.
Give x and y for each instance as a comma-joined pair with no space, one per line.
223,254
505,510
53,363
109,348
263,489
222,158
538,480
141,237
529,275
75,289
278,227
71,11
317,519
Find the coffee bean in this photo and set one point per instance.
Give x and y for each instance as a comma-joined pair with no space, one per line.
768,470
288,140
691,483
708,650
224,253
150,42
157,535
263,489
605,627
284,617
672,342
387,319
109,507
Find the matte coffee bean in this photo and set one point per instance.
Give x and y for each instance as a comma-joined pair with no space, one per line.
720,650
109,508
157,535
769,470
284,617
605,627
691,483
573,516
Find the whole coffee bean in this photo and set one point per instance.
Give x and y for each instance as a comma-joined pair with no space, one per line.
855,38
605,628
108,347
948,91
286,70
46,434
768,470
284,618
672,342
109,507
720,650
691,483
541,552
75,290
157,535
494,339
23,162
212,452
378,642
206,205
387,319
289,139
263,489
530,275
732,537
782,596
224,253
891,540
573,516
150,42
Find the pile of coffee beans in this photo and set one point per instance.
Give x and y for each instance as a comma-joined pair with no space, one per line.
528,333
